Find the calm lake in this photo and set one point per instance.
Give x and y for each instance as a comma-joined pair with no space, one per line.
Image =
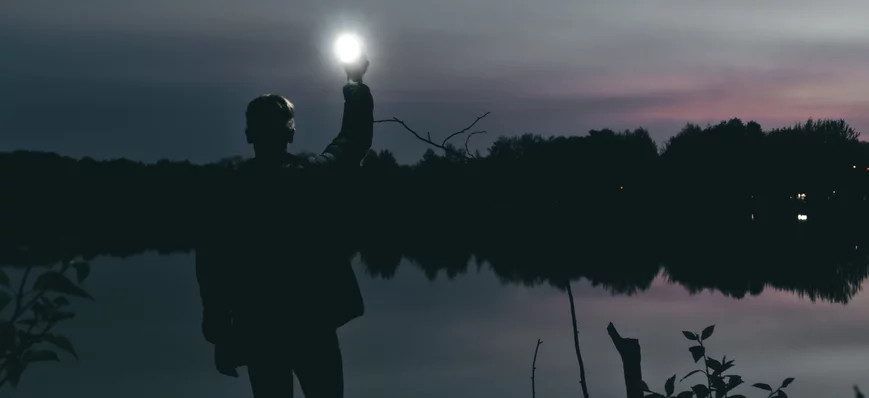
469,336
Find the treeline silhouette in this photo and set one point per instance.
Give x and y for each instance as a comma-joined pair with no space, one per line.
717,206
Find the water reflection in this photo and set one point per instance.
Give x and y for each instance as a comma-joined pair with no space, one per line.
467,337
821,261
457,310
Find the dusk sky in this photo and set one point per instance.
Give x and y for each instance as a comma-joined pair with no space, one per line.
170,79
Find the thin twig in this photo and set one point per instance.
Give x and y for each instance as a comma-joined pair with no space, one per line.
576,344
406,127
443,145
21,293
706,363
534,368
465,129
468,151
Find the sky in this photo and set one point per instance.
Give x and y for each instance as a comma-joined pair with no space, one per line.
470,337
171,78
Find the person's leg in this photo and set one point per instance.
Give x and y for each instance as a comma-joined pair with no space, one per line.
319,366
271,376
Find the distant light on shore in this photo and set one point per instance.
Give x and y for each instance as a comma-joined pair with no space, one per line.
802,217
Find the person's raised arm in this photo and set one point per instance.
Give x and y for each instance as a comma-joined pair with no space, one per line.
357,126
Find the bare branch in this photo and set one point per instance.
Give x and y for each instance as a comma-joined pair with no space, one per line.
576,344
468,151
444,143
534,368
406,127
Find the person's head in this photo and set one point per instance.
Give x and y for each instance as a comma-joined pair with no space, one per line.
270,124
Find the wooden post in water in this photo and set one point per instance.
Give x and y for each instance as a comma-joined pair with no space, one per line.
629,350
576,344
534,368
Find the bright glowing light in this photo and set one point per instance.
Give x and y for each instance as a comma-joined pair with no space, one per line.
348,48
752,217
801,196
802,217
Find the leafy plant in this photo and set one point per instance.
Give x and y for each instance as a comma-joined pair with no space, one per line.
35,312
718,384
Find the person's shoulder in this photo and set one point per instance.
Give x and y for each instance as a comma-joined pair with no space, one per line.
356,88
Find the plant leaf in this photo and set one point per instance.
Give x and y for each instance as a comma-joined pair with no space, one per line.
5,299
31,356
645,387
56,282
697,352
4,279
60,301
701,390
29,321
718,383
13,371
62,315
787,382
690,336
7,336
689,374
762,386
707,333
655,395
685,394
61,342
82,270
737,396
669,386
721,369
713,364
781,394
733,381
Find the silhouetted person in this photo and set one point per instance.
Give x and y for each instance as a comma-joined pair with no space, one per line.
273,292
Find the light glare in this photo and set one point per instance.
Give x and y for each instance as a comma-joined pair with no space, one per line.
802,217
348,48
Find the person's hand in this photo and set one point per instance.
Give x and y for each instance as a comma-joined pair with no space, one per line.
224,360
356,70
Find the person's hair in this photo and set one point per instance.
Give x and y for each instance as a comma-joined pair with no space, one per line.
268,110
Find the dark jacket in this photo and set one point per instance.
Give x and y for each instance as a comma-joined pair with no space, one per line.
267,269
357,127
